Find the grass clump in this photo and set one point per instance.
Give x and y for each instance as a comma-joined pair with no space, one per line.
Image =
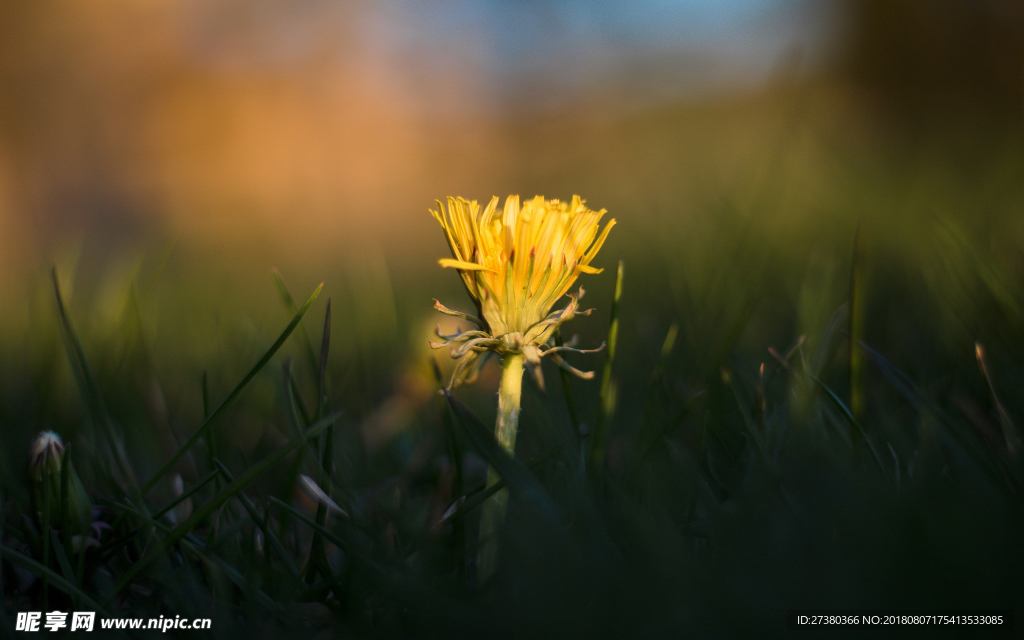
702,492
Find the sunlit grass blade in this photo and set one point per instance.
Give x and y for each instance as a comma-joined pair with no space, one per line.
90,389
55,579
203,428
599,438
289,304
207,508
1010,436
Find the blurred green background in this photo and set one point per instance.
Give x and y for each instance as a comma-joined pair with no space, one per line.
167,157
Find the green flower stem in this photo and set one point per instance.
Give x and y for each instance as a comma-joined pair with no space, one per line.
493,515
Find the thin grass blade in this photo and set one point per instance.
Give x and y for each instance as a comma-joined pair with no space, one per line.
90,389
214,503
65,565
570,398
186,495
55,579
599,441
857,315
203,428
268,533
289,304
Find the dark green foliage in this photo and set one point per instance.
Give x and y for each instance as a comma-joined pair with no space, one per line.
734,484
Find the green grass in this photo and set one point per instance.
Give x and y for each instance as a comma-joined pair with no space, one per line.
790,414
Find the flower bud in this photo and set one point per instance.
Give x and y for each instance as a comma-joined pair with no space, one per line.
46,465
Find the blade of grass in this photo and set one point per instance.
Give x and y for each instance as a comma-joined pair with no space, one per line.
455,452
297,400
55,579
748,423
520,482
857,428
310,522
297,423
997,474
65,565
211,440
481,492
294,405
318,555
599,441
416,596
268,533
203,428
65,475
325,348
4,621
357,552
1010,437
196,545
214,542
570,398
107,551
235,576
289,304
90,390
186,495
206,396
668,426
643,438
214,503
836,330
45,534
857,326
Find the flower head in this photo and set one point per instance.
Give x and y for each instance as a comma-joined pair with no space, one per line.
516,264
47,457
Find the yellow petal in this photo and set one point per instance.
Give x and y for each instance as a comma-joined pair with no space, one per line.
461,264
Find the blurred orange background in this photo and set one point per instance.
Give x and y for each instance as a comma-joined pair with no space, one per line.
313,136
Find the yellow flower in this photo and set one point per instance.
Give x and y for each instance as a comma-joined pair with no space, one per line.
516,264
